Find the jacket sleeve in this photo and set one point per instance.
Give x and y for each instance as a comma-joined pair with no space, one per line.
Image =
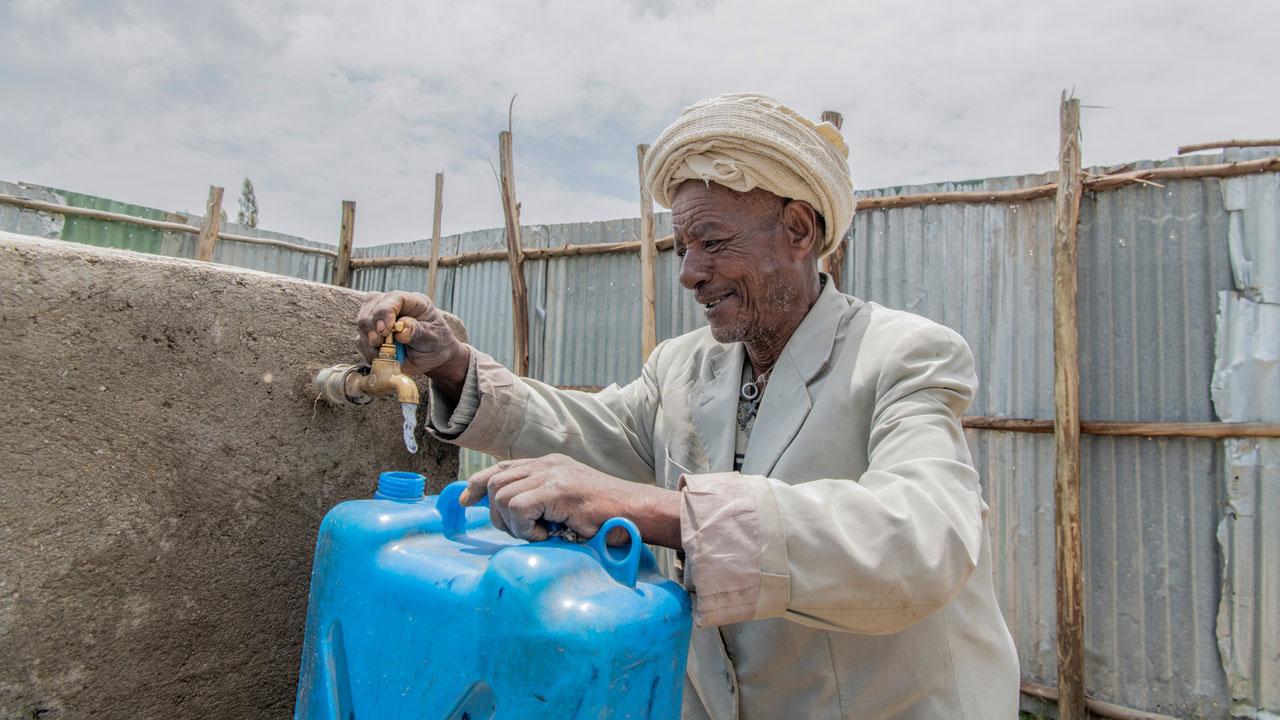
872,554
513,417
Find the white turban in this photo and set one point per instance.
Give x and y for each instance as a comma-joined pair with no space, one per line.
746,141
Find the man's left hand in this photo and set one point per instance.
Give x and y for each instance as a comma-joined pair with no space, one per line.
526,495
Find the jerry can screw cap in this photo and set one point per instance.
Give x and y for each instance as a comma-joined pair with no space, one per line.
400,486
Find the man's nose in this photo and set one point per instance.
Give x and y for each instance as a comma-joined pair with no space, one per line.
695,269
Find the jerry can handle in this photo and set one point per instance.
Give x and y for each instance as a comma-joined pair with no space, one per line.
626,569
453,517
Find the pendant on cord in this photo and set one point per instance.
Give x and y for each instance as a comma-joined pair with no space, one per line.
751,392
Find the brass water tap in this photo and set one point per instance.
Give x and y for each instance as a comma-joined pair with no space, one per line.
384,377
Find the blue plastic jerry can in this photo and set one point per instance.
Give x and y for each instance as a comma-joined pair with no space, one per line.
420,608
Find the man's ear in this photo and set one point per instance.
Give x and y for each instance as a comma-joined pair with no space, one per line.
800,222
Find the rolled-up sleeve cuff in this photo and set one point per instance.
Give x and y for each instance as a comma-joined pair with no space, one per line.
736,565
490,408
448,422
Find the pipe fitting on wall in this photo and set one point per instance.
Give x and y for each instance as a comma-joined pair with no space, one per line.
341,385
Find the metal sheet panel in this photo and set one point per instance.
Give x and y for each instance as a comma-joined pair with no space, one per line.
1152,260
30,222
1248,623
1246,387
1253,202
406,278
983,270
481,295
111,234
593,308
1017,476
281,261
1151,579
1246,379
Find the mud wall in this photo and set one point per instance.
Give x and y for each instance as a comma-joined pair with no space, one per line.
163,471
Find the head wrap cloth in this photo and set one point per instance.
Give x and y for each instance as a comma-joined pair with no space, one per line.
746,141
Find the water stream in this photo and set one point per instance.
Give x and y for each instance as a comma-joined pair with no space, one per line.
410,413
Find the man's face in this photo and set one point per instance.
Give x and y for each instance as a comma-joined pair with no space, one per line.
737,258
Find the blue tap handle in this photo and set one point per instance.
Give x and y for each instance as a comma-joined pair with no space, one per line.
391,335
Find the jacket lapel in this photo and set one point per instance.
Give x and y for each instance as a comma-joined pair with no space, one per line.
787,398
715,409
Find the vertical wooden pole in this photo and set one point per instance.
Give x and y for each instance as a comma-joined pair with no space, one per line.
211,226
515,255
648,264
1066,416
833,264
434,270
342,268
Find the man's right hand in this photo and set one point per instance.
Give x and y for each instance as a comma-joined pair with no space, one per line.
431,348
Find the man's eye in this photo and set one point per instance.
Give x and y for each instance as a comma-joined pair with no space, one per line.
680,252
711,244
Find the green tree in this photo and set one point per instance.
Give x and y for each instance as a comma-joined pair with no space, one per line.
248,215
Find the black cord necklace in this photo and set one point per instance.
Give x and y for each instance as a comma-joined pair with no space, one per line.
752,392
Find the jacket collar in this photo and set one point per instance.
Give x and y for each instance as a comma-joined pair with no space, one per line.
786,401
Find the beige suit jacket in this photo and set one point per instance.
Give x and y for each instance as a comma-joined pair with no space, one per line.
846,571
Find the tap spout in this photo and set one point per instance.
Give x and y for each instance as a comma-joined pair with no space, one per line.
402,387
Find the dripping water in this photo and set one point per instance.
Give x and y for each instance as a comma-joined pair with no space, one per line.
410,413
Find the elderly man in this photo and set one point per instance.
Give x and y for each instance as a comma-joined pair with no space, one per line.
803,454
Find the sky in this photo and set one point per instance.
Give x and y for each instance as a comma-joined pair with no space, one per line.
152,101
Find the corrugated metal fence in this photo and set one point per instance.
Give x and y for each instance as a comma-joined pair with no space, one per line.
1179,321
90,231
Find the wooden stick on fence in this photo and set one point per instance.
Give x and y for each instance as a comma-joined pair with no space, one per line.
1209,430
648,264
833,264
346,234
535,253
1066,411
1097,707
515,254
433,271
163,225
1220,144
209,228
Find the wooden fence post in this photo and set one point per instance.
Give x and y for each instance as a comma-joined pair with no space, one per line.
1066,412
211,226
433,271
648,264
515,255
833,264
342,268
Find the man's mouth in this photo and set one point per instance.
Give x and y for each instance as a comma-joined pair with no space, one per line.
708,304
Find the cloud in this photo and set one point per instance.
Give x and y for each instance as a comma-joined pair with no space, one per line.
150,102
